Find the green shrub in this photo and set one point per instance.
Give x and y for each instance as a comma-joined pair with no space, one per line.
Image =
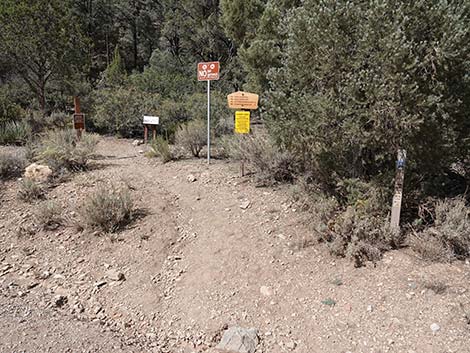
386,76
222,118
30,191
60,150
15,133
108,209
166,76
192,137
360,231
11,165
49,215
361,236
9,111
160,148
448,237
120,110
270,164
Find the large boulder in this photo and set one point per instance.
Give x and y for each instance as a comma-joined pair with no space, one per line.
38,173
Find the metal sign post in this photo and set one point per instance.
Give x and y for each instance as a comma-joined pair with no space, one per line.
208,71
208,122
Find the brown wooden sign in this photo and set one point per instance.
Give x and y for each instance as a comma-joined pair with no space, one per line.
243,100
79,121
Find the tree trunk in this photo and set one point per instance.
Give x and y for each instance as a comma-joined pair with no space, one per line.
42,99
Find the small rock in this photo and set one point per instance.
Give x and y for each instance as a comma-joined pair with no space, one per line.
100,284
435,327
291,345
245,205
115,275
266,291
44,275
78,308
137,143
191,178
38,173
239,340
59,301
370,308
32,285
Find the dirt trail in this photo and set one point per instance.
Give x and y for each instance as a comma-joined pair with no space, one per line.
209,254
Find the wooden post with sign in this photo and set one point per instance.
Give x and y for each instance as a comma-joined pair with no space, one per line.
153,122
244,102
208,71
398,197
78,118
242,126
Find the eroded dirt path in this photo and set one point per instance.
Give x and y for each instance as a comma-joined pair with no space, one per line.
211,253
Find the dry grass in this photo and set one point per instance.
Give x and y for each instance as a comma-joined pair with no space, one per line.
449,237
30,191
48,215
359,231
192,137
270,164
108,209
161,149
15,133
436,286
60,150
11,165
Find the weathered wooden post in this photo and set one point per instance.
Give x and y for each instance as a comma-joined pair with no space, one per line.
152,121
398,197
246,102
78,118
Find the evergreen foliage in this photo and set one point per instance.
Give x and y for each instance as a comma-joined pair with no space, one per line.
359,80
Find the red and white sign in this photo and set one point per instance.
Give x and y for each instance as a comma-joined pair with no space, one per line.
208,71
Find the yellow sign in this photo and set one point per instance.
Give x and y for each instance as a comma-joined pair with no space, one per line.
242,122
243,100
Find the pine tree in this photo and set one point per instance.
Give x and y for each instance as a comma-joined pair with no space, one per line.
115,73
360,80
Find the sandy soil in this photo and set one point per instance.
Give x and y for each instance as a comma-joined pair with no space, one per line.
206,255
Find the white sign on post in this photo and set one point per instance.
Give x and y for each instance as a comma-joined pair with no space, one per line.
151,120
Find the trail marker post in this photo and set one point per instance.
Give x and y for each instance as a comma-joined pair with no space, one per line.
78,118
398,197
244,102
208,71
151,121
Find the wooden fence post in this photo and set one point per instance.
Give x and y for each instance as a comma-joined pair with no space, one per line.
398,197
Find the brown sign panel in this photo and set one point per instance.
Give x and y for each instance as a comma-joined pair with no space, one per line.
209,71
79,121
243,100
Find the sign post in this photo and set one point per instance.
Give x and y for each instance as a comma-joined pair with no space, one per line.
152,121
242,126
208,71
208,122
246,102
398,197
78,118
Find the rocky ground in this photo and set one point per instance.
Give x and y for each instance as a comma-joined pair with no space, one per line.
210,251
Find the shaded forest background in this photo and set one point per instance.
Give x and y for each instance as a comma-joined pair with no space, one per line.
343,86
